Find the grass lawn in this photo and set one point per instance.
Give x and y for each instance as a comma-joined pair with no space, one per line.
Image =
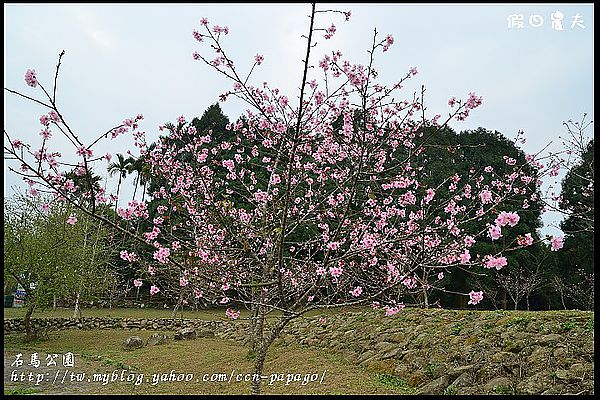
214,314
99,351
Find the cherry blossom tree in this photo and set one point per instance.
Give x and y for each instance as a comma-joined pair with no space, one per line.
311,202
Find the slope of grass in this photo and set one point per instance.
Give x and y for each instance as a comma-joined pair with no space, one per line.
100,351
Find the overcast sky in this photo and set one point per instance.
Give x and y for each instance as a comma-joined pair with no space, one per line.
122,60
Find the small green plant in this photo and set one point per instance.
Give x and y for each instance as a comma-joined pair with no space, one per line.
567,325
456,328
20,391
430,369
393,382
116,364
522,320
360,318
589,326
501,389
450,390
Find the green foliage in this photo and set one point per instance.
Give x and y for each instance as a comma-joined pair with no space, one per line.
567,325
522,321
430,369
589,326
391,381
456,328
50,258
501,389
450,390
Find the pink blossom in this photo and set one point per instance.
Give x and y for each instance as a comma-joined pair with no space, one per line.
430,195
197,35
137,283
204,21
259,59
389,311
183,281
336,271
469,241
162,254
232,314
485,196
495,232
389,40
45,207
357,291
473,101
17,144
497,263
527,240
71,220
452,101
30,78
465,256
476,297
440,275
557,243
154,290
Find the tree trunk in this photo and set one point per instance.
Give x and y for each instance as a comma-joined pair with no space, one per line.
54,303
27,321
258,368
527,298
174,313
504,300
425,299
76,309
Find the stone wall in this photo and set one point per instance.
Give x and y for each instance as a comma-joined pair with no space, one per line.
430,351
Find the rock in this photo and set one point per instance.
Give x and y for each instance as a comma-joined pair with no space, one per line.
156,339
434,387
549,339
500,384
556,389
505,358
185,334
514,346
390,353
579,371
456,371
416,379
133,342
206,333
402,371
562,374
464,379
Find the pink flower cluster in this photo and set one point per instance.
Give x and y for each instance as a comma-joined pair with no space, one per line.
493,262
476,297
526,240
232,314
162,255
507,218
557,243
154,290
30,78
125,255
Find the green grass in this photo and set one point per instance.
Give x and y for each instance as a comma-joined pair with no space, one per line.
149,313
589,326
98,351
521,320
456,328
20,391
393,382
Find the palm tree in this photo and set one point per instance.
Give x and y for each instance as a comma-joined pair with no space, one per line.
142,170
122,168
